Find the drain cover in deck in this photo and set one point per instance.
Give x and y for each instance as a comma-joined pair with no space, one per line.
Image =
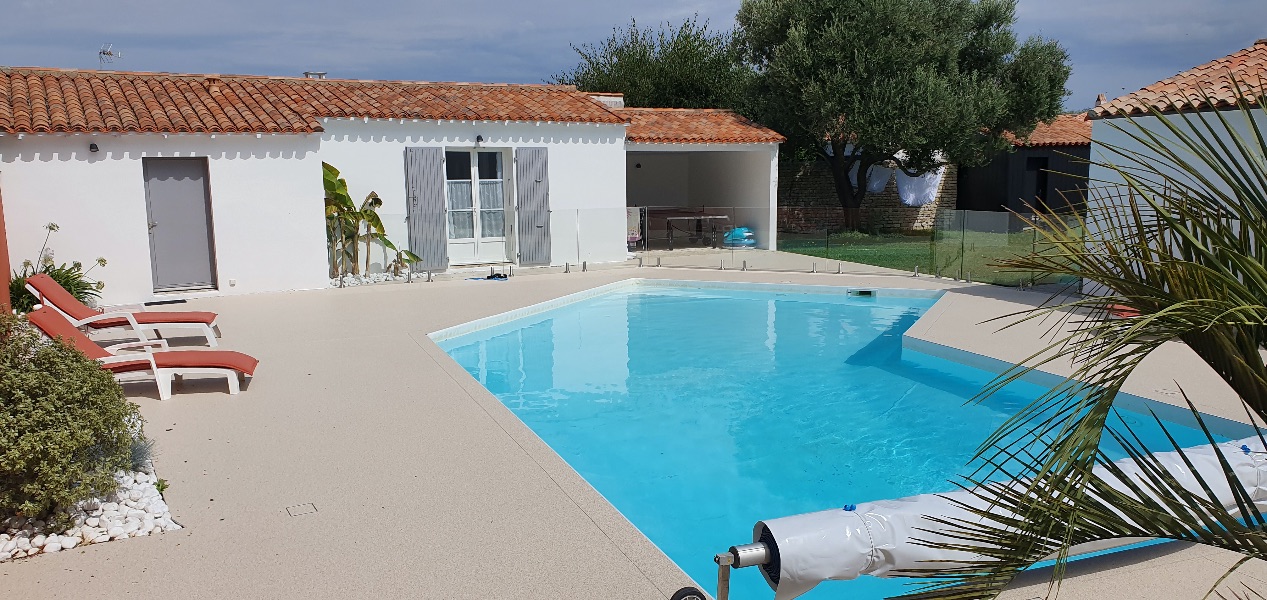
301,509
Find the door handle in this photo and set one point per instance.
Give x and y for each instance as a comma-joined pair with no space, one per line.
153,225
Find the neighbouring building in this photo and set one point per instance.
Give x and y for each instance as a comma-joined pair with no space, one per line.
1047,170
210,184
1207,87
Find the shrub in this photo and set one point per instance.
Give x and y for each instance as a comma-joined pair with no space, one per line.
65,426
71,276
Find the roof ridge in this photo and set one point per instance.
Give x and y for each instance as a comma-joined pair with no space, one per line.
218,103
648,108
281,78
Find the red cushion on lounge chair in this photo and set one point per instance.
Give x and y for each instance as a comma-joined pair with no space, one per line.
53,293
1122,311
157,318
194,359
57,327
128,367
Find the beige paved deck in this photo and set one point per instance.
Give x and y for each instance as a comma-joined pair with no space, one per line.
426,486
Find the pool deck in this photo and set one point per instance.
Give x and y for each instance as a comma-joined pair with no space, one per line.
426,486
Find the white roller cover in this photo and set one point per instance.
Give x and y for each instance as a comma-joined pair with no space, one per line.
918,191
877,538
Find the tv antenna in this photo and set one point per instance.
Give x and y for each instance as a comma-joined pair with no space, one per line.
107,54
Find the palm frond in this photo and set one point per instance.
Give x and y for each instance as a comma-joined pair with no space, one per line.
1171,248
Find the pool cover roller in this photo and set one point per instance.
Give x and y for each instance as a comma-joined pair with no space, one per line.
878,538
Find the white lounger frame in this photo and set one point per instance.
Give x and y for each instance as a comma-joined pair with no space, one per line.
210,330
164,377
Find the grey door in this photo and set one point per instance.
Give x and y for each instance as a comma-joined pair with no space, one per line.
532,198
179,205
424,194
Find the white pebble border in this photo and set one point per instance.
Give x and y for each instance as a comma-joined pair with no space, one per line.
372,278
135,510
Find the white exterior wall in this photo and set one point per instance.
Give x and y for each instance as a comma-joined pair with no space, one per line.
586,170
266,207
1103,132
662,179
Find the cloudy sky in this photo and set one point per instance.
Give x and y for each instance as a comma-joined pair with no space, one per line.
1116,46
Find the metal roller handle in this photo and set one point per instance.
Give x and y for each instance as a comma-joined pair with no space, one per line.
737,557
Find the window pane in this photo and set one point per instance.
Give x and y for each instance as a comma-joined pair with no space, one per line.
459,193
491,196
492,223
490,165
457,165
461,225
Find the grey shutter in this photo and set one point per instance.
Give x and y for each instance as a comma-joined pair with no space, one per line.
532,195
424,195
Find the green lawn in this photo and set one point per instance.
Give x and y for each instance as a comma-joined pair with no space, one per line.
955,253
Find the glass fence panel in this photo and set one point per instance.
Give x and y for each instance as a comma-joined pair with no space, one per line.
676,227
990,237
1068,225
947,244
906,251
602,235
967,245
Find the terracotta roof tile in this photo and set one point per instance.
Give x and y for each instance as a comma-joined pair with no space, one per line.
1066,130
1190,88
38,100
694,126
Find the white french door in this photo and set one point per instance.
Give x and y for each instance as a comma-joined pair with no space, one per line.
475,195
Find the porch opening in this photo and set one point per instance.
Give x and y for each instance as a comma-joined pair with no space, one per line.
680,199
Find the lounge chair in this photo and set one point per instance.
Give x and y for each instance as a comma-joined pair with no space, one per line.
51,293
156,359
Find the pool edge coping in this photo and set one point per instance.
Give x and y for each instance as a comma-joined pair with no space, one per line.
448,333
661,571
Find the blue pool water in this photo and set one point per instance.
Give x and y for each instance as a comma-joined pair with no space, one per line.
697,412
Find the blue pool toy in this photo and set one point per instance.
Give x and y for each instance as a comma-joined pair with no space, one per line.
740,237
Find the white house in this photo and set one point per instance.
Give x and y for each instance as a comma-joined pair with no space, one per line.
1189,90
210,184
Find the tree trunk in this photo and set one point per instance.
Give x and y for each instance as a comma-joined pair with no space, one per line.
849,194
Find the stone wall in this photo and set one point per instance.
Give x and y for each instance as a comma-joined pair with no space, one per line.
807,202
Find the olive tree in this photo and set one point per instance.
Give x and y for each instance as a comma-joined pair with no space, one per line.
915,83
683,66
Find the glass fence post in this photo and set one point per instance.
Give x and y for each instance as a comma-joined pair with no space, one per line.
1033,249
963,236
932,248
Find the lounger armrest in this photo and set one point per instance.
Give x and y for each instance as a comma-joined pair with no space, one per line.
136,327
108,315
145,345
127,358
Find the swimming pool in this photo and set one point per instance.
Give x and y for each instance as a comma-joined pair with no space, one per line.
697,410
